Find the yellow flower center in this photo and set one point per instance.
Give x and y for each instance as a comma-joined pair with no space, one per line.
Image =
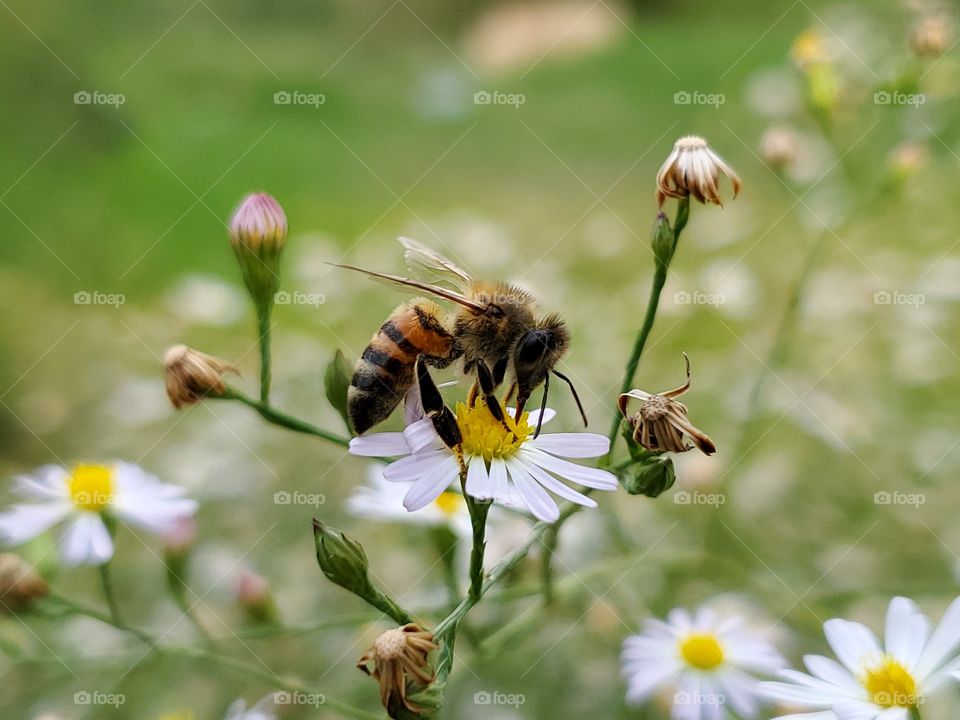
485,436
890,684
449,503
701,650
91,487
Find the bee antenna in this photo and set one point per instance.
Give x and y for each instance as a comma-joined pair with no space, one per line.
576,397
543,405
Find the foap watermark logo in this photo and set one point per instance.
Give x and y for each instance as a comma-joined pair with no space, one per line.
486,697
896,497
697,97
895,97
298,698
685,497
95,297
699,698
299,298
283,497
95,697
895,297
495,97
298,97
714,300
96,97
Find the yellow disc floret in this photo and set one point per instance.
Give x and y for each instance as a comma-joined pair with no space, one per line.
91,487
701,650
485,436
890,684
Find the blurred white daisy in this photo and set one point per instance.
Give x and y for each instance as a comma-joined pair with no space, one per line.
707,660
263,710
870,682
509,467
383,500
83,496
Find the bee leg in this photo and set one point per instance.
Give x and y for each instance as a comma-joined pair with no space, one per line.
485,379
444,421
509,394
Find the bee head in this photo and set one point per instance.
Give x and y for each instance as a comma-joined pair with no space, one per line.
537,352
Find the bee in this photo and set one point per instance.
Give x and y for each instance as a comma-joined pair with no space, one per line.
495,330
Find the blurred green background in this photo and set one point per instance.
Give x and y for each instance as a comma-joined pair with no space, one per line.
555,193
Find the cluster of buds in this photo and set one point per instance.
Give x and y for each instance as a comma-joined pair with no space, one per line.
661,424
399,656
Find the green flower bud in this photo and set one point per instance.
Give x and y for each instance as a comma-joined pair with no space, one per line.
661,239
258,234
342,560
336,382
649,477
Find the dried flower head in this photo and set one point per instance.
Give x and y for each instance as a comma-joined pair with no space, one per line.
398,655
693,169
192,375
778,147
661,422
931,36
20,584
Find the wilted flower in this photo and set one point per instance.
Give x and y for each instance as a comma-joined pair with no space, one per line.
511,467
778,147
258,233
87,494
20,583
192,375
871,682
708,660
399,655
661,422
931,36
693,169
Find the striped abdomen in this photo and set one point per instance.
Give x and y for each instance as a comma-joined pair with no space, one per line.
385,370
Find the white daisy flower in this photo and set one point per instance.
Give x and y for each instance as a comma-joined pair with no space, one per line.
707,661
82,496
870,682
383,500
263,710
508,467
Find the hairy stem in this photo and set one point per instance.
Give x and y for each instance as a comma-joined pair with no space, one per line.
106,582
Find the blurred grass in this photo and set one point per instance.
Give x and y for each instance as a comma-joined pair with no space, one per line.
515,192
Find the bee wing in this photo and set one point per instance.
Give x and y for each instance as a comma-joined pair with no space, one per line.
441,292
419,256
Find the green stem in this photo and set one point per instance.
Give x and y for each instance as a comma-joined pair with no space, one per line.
264,311
277,417
478,517
387,605
915,713
659,280
106,582
546,564
71,608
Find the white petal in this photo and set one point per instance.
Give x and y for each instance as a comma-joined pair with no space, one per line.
421,436
388,444
478,479
643,680
852,643
590,477
894,713
45,483
900,613
573,445
680,619
499,487
553,485
685,706
430,487
414,467
796,694
942,643
822,715
537,500
158,516
831,671
86,541
534,415
739,692
856,710
24,522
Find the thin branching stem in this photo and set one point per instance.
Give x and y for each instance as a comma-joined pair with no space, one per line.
278,417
